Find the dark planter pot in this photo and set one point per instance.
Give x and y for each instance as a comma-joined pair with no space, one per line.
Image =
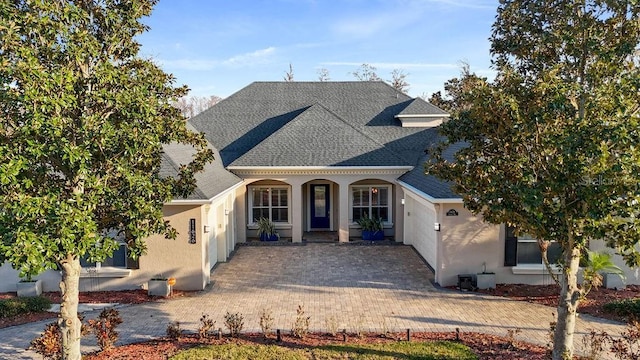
267,237
372,235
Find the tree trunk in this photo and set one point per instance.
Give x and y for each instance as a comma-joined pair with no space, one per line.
567,306
70,325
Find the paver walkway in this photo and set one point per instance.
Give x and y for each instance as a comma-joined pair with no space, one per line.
364,287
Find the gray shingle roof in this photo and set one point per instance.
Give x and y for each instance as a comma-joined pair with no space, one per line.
430,184
318,137
214,178
317,124
418,106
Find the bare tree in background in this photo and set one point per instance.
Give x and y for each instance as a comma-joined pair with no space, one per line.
399,80
323,74
191,106
366,72
288,75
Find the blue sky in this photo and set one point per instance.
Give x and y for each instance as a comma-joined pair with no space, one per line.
217,47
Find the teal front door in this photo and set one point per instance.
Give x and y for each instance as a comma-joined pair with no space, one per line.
320,206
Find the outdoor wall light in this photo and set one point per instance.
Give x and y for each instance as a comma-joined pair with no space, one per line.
402,201
207,228
436,226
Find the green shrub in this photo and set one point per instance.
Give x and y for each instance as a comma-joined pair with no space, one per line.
626,307
17,306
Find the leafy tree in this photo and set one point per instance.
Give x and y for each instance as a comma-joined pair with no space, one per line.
399,80
82,123
552,142
454,101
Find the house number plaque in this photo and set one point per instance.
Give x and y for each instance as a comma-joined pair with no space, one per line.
452,212
192,231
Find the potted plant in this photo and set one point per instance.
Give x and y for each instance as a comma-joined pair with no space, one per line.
29,287
267,230
159,286
372,228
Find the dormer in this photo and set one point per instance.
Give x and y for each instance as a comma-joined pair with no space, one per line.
420,113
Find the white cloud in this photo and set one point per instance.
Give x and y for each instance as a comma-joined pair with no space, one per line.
189,64
261,56
404,66
472,4
257,57
386,20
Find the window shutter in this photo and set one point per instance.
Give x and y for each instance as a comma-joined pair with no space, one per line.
133,264
510,247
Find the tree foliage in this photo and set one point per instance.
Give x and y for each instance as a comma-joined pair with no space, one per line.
82,123
552,142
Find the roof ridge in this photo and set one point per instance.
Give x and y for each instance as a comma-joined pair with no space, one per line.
359,131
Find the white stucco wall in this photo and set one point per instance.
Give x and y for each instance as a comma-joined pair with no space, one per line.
419,228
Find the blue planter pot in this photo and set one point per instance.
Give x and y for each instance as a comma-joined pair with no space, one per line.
266,237
372,235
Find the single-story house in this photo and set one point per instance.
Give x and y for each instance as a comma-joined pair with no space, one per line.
317,156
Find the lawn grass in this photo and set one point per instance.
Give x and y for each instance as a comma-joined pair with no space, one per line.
441,350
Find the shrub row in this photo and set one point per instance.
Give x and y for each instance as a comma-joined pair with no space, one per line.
626,307
23,305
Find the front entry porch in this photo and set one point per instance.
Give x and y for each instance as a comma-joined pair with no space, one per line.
300,204
320,237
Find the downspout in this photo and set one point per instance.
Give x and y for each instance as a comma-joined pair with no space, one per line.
439,218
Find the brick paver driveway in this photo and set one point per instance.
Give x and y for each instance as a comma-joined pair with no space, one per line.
363,287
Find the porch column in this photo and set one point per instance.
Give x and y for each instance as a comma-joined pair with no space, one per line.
296,212
343,200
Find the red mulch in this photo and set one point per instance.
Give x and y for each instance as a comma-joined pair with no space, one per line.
549,294
122,297
485,346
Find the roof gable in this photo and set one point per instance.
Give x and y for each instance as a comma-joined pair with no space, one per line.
318,137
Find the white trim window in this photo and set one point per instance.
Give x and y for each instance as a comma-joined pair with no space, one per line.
270,202
524,250
119,259
373,201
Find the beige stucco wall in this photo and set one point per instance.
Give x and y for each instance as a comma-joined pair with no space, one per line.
178,258
188,263
465,243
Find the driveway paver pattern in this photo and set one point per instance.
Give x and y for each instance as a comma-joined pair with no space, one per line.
366,288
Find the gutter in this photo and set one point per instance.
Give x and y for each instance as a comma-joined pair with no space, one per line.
280,168
204,201
429,197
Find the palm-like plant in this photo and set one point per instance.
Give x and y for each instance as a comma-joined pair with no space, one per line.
597,264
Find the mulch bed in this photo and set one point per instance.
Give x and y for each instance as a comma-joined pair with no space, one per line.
93,297
485,346
548,295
